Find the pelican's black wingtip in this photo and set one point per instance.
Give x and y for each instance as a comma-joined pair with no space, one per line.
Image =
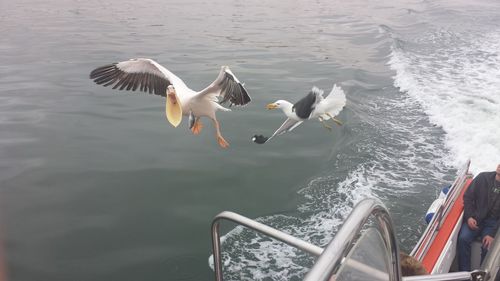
260,139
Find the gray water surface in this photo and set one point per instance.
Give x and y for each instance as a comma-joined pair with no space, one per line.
95,184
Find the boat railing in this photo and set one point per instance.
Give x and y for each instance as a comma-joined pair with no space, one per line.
259,227
434,225
453,192
330,258
336,252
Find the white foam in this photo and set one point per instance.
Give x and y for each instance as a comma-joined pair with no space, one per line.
456,78
398,158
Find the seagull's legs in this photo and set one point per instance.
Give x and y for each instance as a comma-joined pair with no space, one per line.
329,128
335,119
222,142
196,129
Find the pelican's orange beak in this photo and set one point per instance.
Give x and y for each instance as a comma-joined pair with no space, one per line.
173,109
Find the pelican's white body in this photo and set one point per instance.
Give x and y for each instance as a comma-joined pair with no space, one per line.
149,76
202,103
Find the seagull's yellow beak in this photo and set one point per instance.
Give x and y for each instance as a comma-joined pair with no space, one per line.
173,109
271,106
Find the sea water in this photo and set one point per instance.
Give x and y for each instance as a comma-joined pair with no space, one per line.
96,185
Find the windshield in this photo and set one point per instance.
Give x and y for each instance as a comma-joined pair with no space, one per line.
367,260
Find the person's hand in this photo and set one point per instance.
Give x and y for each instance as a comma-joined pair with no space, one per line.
487,242
472,223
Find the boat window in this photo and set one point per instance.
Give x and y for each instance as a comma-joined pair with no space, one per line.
367,260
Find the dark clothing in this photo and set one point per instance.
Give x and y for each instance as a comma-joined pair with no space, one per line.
465,239
482,200
495,209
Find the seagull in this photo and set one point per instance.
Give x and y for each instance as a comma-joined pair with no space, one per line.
312,106
147,75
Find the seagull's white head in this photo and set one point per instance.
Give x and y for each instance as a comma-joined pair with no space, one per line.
277,104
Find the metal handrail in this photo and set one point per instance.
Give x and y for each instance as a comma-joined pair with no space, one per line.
333,255
262,228
338,248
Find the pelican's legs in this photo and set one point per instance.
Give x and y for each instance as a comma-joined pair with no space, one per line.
196,129
222,142
335,120
329,128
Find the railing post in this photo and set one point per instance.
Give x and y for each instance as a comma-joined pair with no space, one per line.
216,251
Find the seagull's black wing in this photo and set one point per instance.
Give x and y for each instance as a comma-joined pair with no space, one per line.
305,106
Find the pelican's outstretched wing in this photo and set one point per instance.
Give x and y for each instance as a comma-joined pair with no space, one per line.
287,126
143,74
228,88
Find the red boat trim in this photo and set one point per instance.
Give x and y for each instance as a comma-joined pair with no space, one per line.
449,223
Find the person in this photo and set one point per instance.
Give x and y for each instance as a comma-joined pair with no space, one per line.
410,266
481,216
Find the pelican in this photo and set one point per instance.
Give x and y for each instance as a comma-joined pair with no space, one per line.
312,106
149,76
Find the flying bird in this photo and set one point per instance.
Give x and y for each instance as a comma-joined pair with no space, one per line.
147,75
312,106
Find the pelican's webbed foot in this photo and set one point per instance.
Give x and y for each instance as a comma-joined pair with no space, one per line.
196,129
222,142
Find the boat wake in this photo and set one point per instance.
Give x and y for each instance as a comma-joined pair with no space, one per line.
403,143
455,76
